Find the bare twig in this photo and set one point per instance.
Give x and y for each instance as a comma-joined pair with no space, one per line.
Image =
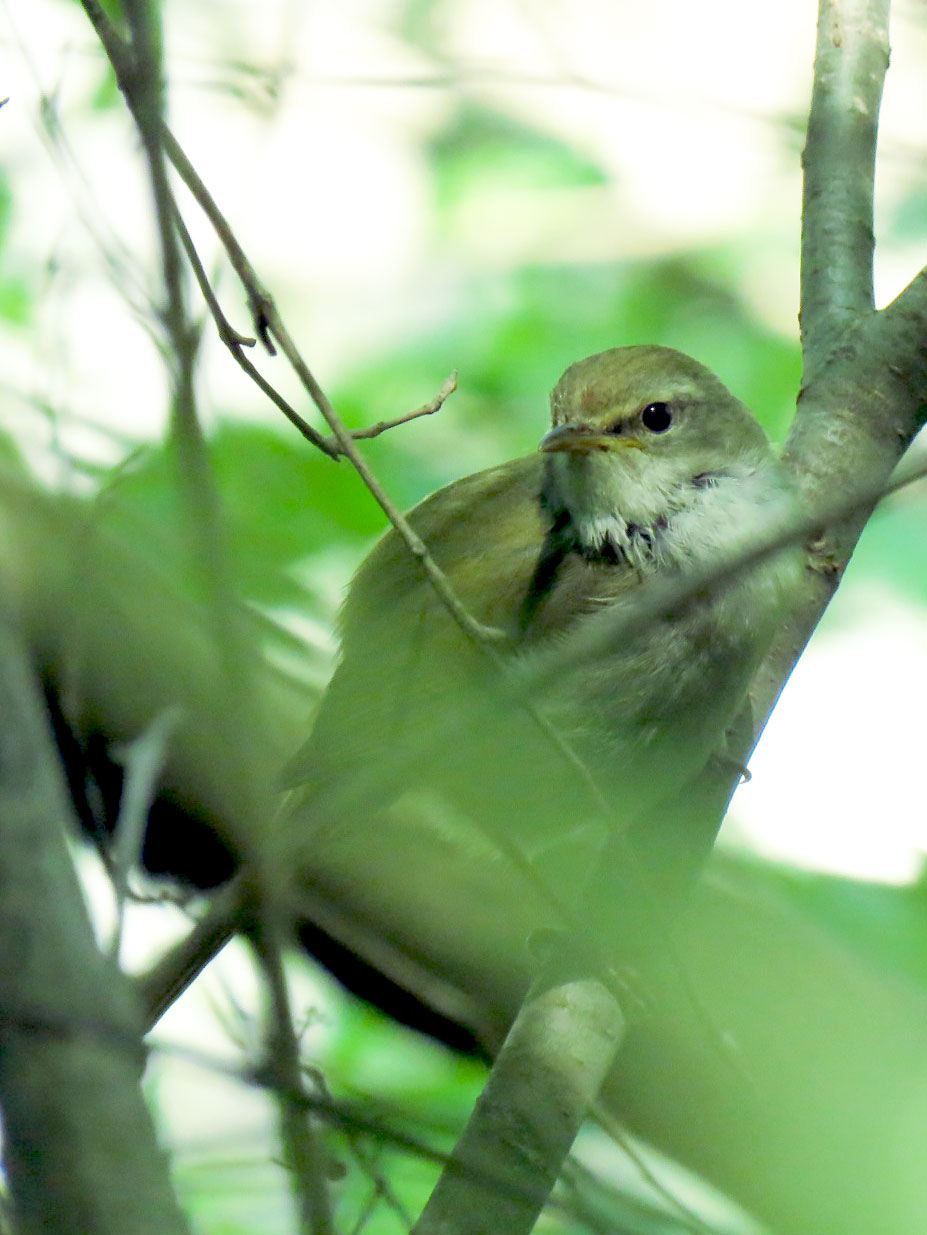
448,386
298,1135
351,1118
380,1185
138,69
482,635
173,973
236,343
143,760
270,328
613,1129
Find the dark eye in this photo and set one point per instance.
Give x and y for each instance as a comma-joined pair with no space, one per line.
656,417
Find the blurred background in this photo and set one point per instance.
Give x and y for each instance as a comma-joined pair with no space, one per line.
494,188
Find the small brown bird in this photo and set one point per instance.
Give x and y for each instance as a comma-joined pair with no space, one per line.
651,469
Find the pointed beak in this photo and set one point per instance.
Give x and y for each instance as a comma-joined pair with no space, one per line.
581,440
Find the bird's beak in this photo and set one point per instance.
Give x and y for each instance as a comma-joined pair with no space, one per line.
580,439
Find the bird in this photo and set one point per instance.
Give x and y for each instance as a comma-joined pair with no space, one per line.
424,743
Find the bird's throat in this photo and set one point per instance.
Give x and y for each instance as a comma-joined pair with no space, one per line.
673,527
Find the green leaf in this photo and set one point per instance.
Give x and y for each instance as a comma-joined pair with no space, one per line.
885,924
909,219
892,548
481,148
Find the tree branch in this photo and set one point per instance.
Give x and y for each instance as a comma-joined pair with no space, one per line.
269,326
80,1149
299,1138
236,343
448,386
839,162
547,1074
173,973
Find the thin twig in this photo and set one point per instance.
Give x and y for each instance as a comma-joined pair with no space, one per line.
380,1185
143,760
590,1189
269,326
298,1136
166,981
448,386
613,1129
236,343
348,1117
483,635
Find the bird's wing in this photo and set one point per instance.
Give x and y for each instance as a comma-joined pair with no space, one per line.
412,699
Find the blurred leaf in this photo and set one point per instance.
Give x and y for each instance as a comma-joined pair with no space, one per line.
885,924
416,21
284,500
11,459
106,95
909,218
15,301
514,333
893,548
281,501
396,1068
480,146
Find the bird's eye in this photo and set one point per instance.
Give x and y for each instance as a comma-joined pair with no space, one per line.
656,417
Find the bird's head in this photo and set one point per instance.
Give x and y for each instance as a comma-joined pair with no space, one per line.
639,433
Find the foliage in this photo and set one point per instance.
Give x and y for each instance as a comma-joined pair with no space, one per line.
295,524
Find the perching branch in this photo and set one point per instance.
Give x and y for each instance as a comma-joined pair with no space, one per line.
865,383
839,163
869,396
546,1076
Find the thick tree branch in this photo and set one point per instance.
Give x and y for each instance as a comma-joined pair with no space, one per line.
839,161
547,1074
864,391
861,405
80,1150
